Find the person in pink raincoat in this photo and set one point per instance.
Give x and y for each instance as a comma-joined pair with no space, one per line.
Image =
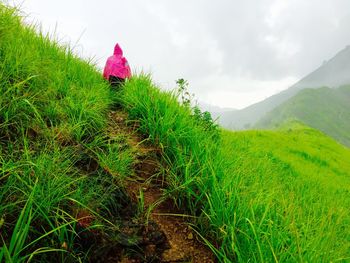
117,68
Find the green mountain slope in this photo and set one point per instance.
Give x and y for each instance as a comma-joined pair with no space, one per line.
325,109
333,73
291,195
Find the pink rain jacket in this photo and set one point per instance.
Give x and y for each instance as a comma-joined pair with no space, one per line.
117,65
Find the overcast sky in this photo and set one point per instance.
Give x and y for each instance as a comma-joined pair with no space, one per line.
233,53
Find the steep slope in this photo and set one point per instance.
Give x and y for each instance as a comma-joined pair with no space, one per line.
333,73
67,163
325,109
58,191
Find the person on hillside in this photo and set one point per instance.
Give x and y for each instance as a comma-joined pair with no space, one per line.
117,68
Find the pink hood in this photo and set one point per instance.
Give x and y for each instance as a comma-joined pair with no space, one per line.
118,51
117,65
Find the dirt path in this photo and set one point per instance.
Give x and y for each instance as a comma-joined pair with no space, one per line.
166,236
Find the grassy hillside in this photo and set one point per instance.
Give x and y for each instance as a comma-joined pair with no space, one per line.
291,195
333,73
252,196
264,196
325,109
53,111
63,173
279,196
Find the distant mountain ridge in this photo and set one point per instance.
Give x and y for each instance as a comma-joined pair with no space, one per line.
212,108
332,73
325,109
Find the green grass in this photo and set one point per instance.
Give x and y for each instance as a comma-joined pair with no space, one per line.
291,195
261,196
186,145
53,111
325,109
44,84
254,196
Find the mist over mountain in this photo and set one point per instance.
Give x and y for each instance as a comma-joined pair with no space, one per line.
325,109
215,111
332,73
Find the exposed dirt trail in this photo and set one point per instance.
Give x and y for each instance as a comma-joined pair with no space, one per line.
167,237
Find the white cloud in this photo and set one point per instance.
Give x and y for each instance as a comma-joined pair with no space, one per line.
239,92
232,52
